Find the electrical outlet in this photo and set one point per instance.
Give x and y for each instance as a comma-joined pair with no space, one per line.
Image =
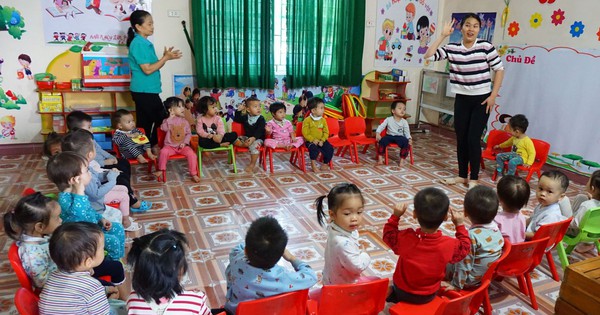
173,13
370,23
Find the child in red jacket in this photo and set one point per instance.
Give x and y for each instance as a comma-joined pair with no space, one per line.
424,253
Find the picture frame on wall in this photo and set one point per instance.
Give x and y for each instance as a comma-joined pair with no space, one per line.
181,81
104,69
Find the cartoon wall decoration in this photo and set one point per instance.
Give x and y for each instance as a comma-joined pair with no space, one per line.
564,119
7,126
404,31
12,21
486,29
25,62
106,21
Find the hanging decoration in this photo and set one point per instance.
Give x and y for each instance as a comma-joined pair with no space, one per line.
513,29
547,1
598,34
558,17
504,16
536,20
577,29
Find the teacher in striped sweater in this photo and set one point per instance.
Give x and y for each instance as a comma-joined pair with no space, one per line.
470,78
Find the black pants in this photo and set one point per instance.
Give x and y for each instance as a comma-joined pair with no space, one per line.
150,113
326,150
470,119
112,268
124,178
401,141
399,295
207,143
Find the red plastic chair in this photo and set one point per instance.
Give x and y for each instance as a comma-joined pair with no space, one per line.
17,265
392,145
161,134
450,304
354,129
522,259
495,137
291,303
365,298
334,138
555,233
239,130
132,161
293,151
26,302
542,148
303,150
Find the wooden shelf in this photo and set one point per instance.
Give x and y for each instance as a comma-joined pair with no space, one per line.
387,82
386,100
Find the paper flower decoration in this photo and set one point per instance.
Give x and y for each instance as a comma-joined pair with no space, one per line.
558,17
547,1
502,49
598,34
536,20
513,29
577,29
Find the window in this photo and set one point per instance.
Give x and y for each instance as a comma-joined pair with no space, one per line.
280,36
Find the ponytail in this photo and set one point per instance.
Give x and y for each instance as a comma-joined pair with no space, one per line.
11,229
130,35
138,17
28,211
320,213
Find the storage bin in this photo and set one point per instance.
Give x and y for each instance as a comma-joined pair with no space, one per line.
44,81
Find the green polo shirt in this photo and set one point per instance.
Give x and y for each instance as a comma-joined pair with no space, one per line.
141,51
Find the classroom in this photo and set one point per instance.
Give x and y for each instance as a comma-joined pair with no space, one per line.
372,140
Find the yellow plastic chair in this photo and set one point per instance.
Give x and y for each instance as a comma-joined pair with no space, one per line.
589,231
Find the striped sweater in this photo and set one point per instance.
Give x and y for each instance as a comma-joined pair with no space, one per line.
470,67
186,303
74,293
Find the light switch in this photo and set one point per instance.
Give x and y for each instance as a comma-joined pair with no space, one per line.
173,13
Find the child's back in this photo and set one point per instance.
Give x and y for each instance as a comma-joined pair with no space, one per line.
586,202
513,194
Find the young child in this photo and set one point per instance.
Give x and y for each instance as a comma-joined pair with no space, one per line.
52,145
523,151
481,206
159,262
513,194
300,111
551,188
583,203
76,248
316,133
177,138
253,272
103,187
345,260
210,127
190,108
104,160
424,253
281,129
248,114
131,141
69,172
34,218
398,132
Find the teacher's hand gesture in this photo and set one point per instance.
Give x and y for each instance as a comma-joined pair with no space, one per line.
171,53
448,28
489,103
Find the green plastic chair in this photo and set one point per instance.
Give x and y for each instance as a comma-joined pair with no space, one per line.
589,231
231,155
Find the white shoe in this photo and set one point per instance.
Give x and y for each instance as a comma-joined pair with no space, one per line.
134,226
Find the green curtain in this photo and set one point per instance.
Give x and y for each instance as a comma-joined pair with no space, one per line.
325,42
233,40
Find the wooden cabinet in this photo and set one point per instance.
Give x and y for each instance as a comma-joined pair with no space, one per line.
579,289
101,104
378,94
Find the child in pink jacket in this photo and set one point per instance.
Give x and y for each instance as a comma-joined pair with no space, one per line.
281,129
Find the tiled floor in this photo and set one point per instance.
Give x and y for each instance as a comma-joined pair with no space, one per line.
216,212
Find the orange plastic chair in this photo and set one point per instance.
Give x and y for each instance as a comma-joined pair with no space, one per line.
555,233
522,259
26,302
293,151
354,128
17,265
365,298
334,138
392,145
450,304
298,157
489,274
161,134
132,161
495,137
239,130
542,148
291,303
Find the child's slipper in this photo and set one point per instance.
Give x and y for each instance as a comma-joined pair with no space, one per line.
134,226
144,206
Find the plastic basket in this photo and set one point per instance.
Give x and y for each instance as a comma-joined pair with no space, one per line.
44,81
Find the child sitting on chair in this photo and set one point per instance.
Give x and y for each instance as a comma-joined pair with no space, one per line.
552,186
425,252
583,203
481,206
210,126
300,111
523,151
513,194
248,114
397,131
281,130
131,141
177,138
316,133
253,272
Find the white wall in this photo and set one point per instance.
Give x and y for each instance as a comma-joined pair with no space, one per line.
168,32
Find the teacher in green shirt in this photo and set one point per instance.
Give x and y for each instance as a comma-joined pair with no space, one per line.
145,73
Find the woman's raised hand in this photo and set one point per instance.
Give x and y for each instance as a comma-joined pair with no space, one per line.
448,28
171,53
